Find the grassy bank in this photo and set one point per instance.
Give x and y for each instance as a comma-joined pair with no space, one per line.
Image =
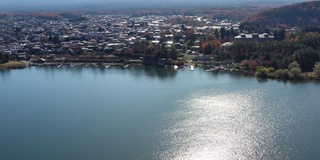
13,65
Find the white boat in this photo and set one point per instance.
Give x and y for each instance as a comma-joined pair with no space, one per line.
175,67
60,65
126,66
191,67
107,66
212,69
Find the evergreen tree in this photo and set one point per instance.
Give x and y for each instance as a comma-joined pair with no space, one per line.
222,32
216,33
279,34
4,58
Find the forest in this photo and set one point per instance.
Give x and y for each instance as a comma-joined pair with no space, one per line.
295,15
301,50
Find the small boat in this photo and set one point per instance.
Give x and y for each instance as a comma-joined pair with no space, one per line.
191,67
126,66
60,65
175,67
212,69
106,66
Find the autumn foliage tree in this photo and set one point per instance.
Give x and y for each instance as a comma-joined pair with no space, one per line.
316,69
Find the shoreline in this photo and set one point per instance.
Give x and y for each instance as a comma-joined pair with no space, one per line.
206,68
84,64
13,65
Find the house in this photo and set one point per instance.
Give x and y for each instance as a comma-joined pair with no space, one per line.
22,56
253,37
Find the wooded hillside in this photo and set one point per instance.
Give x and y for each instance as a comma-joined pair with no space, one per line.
299,14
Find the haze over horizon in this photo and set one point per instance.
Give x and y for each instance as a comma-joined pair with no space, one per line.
34,5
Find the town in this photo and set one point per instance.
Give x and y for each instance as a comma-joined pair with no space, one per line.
101,39
159,79
110,38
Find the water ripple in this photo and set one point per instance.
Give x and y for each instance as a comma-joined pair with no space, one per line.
220,126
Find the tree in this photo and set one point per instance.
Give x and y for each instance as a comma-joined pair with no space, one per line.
278,73
150,52
222,32
316,69
216,33
208,49
279,34
232,32
160,54
228,34
140,46
262,72
307,58
212,46
4,58
189,34
183,27
285,74
209,37
295,73
294,64
294,70
172,53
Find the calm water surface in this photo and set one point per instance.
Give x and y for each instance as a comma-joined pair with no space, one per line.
145,113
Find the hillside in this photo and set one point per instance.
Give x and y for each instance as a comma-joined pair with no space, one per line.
230,13
299,14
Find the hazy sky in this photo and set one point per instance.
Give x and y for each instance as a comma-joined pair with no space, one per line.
80,1
15,5
47,1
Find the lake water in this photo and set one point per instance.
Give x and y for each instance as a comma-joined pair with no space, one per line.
146,113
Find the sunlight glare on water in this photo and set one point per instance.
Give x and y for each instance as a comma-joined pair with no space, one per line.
220,126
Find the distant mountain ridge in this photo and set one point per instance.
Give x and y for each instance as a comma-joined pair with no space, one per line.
299,14
76,5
